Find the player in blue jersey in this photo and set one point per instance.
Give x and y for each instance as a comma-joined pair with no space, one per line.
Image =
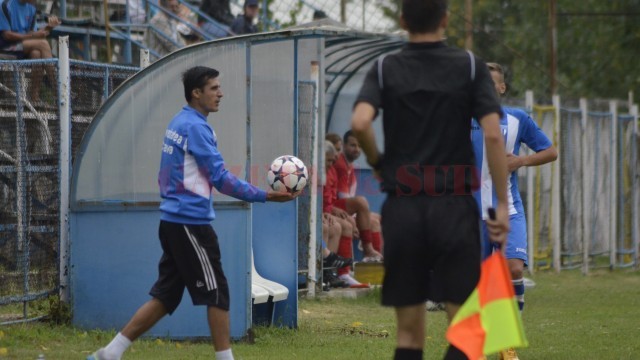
517,128
190,167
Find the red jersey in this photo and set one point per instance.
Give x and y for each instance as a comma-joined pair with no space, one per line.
346,177
330,190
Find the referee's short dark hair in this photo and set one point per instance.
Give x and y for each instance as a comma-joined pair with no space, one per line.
196,78
423,16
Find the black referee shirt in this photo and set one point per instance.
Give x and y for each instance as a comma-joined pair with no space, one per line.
428,98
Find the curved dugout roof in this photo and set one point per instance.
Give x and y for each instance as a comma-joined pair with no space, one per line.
120,153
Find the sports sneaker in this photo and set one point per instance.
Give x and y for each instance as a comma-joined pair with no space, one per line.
353,283
334,260
528,283
332,280
372,259
509,354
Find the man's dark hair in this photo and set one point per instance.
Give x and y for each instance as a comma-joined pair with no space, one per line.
423,16
347,135
196,78
333,137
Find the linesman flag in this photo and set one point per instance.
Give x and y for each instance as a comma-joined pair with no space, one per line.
489,320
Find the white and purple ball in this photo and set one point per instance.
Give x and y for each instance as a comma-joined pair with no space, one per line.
287,173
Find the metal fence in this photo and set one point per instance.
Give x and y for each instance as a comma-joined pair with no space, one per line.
30,171
29,133
308,258
582,210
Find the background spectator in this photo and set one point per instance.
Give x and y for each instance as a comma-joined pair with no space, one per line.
18,34
165,24
244,23
220,11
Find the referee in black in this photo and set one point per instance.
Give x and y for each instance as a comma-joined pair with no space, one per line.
429,92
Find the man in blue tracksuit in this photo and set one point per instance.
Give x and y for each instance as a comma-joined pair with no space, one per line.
191,165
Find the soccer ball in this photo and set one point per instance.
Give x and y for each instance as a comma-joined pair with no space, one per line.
287,173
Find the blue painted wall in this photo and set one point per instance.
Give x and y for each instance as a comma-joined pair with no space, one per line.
369,187
114,262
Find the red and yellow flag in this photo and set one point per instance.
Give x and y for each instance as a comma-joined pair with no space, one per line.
489,321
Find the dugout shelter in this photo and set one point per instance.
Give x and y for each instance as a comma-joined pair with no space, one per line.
282,91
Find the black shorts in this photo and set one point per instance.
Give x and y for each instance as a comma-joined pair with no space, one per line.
191,258
431,249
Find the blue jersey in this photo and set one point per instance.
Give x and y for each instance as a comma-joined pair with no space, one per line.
22,17
518,128
191,166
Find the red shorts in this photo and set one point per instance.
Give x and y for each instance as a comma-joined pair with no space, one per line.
341,204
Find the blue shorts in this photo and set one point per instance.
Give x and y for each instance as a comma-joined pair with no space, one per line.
516,240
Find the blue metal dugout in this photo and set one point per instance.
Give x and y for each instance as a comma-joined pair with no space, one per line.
274,92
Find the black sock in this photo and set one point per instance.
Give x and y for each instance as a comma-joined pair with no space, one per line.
453,353
408,354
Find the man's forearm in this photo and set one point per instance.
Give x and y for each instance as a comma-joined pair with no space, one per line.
363,115
542,157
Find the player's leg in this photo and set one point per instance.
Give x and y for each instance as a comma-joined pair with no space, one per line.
456,239
516,254
144,319
331,235
166,295
334,234
345,249
201,270
376,233
411,330
38,49
358,205
219,325
406,272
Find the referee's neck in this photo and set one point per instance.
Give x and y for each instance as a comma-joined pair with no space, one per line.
427,37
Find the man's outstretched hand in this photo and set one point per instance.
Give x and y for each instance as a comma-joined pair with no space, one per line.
281,196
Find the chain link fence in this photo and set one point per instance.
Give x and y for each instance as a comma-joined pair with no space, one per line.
366,15
30,168
29,133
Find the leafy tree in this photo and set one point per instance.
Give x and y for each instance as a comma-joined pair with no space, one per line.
598,43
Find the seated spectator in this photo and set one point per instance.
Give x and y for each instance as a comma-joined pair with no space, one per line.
190,36
18,35
347,224
243,24
336,140
368,222
166,25
220,11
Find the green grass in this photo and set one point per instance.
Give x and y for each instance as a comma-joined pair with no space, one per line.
567,316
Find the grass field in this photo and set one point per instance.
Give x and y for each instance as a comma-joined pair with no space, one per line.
567,316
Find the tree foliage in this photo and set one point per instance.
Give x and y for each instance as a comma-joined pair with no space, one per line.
598,43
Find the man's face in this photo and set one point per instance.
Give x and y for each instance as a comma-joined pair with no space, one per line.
329,160
338,146
352,149
173,6
210,95
498,82
251,11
